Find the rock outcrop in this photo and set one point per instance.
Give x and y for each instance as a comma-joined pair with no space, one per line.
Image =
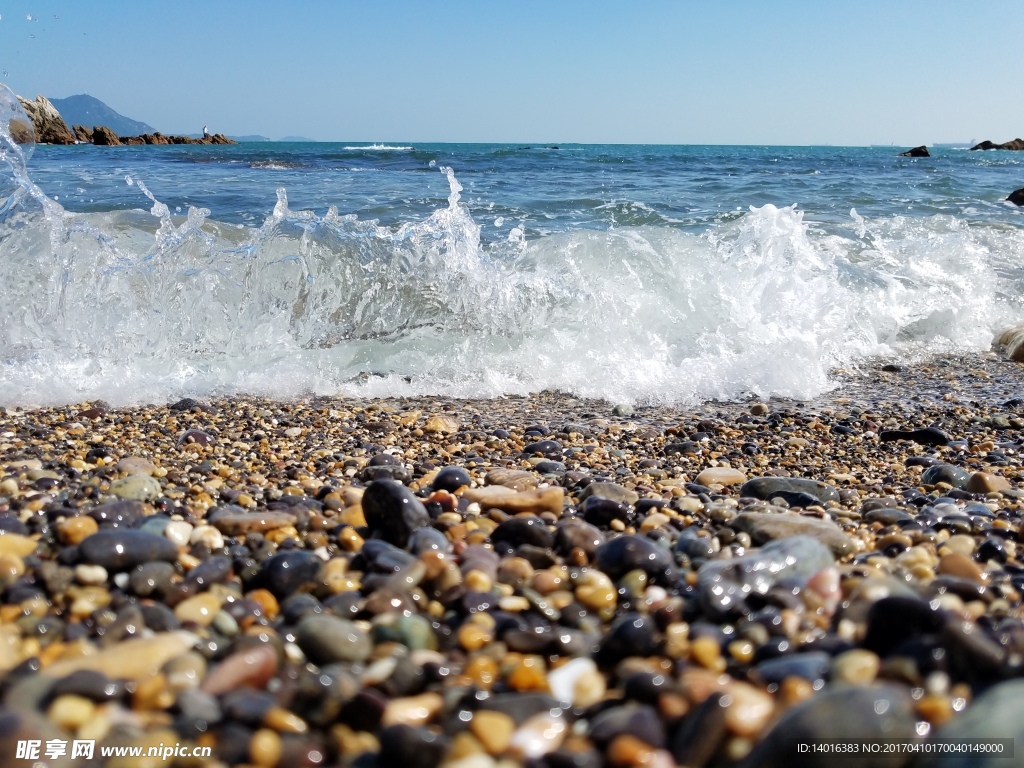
103,136
1011,343
921,151
82,133
49,125
1017,144
1017,197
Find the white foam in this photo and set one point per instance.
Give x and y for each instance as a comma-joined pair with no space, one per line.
379,148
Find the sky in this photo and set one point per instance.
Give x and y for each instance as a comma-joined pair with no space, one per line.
668,72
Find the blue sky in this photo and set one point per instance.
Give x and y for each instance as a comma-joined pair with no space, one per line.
737,72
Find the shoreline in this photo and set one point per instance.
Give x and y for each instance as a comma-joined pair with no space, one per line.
207,560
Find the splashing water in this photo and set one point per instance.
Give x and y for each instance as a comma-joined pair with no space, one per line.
133,306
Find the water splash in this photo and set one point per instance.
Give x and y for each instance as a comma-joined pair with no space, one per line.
148,306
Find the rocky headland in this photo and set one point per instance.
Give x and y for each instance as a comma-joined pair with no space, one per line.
50,128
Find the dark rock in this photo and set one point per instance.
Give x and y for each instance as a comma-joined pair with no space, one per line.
883,712
632,634
628,553
410,747
451,479
810,665
392,512
1014,144
1017,197
768,487
893,620
600,511
186,404
549,448
993,715
152,579
697,740
926,436
921,151
946,473
326,639
90,684
104,137
724,585
638,720
525,529
289,572
123,549
576,534
118,513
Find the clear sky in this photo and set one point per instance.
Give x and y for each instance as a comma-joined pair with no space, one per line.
650,71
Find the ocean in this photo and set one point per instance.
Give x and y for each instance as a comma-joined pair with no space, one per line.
637,274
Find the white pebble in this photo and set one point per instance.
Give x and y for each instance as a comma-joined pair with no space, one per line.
179,532
91,575
208,535
562,681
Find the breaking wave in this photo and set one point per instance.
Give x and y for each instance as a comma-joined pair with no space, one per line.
144,306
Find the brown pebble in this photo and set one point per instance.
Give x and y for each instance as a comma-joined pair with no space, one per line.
265,748
957,564
529,674
74,529
493,729
249,668
629,751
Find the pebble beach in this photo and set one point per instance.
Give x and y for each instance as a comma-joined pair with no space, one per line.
543,580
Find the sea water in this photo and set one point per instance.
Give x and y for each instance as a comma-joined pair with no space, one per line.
648,274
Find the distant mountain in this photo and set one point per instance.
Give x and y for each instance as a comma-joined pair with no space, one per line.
89,111
296,139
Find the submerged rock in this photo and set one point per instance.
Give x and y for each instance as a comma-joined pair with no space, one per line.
921,151
724,585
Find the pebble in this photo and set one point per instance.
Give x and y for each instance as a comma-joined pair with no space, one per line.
123,549
248,668
392,512
326,639
613,491
240,522
764,527
962,566
768,487
946,473
724,585
539,735
136,488
984,482
884,712
855,667
133,659
577,682
720,476
493,730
